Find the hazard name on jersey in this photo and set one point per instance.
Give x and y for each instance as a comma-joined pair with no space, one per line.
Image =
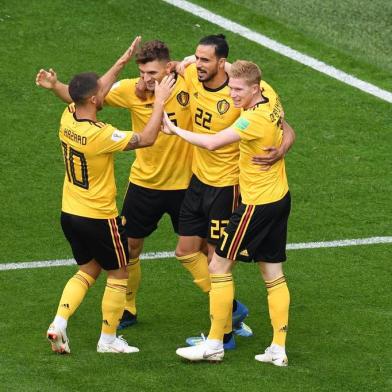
88,147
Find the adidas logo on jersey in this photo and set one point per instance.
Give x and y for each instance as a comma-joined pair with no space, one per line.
196,95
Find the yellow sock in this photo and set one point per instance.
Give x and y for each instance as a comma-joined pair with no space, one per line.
221,304
278,304
134,277
113,302
73,294
197,265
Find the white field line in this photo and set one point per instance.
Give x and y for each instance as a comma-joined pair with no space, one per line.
281,49
166,255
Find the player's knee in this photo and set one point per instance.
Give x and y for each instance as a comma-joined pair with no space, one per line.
187,246
92,269
135,247
220,265
121,273
182,251
270,271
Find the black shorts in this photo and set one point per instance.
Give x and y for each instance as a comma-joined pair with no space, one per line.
206,210
101,239
257,232
143,209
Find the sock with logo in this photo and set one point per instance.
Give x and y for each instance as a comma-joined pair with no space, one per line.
278,305
197,265
113,302
221,304
134,277
73,294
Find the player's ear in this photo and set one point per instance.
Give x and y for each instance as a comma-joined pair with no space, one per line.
170,67
255,89
221,62
93,99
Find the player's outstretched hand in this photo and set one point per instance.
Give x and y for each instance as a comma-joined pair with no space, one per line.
167,126
128,54
46,79
163,89
272,156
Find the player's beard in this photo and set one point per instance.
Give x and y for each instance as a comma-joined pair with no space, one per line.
150,86
208,76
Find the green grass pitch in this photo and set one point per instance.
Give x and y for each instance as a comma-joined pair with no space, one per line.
339,173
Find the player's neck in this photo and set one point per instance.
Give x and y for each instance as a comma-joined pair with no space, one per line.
86,113
217,81
257,98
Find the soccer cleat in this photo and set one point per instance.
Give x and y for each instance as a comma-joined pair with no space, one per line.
201,352
128,319
196,340
273,354
119,345
58,340
240,314
243,330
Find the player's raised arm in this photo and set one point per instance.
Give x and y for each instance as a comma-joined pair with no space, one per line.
149,134
209,142
274,154
48,80
111,75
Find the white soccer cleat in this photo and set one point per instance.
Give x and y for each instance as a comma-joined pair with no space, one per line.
58,339
273,354
119,345
201,352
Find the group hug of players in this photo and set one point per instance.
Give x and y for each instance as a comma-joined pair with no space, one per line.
215,138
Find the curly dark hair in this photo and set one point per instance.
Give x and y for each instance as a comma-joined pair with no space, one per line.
153,50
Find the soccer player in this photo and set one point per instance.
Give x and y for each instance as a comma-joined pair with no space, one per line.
89,216
213,193
259,225
160,174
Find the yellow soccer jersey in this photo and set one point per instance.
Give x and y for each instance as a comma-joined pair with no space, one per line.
260,127
167,164
212,111
89,185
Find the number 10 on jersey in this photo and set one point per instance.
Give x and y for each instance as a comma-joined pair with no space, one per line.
75,166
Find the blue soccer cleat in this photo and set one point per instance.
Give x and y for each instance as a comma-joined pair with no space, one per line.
128,319
239,327
240,313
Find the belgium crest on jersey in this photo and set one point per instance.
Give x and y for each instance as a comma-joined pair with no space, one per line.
183,98
222,106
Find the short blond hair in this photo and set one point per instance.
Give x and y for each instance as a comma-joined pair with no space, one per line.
246,70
